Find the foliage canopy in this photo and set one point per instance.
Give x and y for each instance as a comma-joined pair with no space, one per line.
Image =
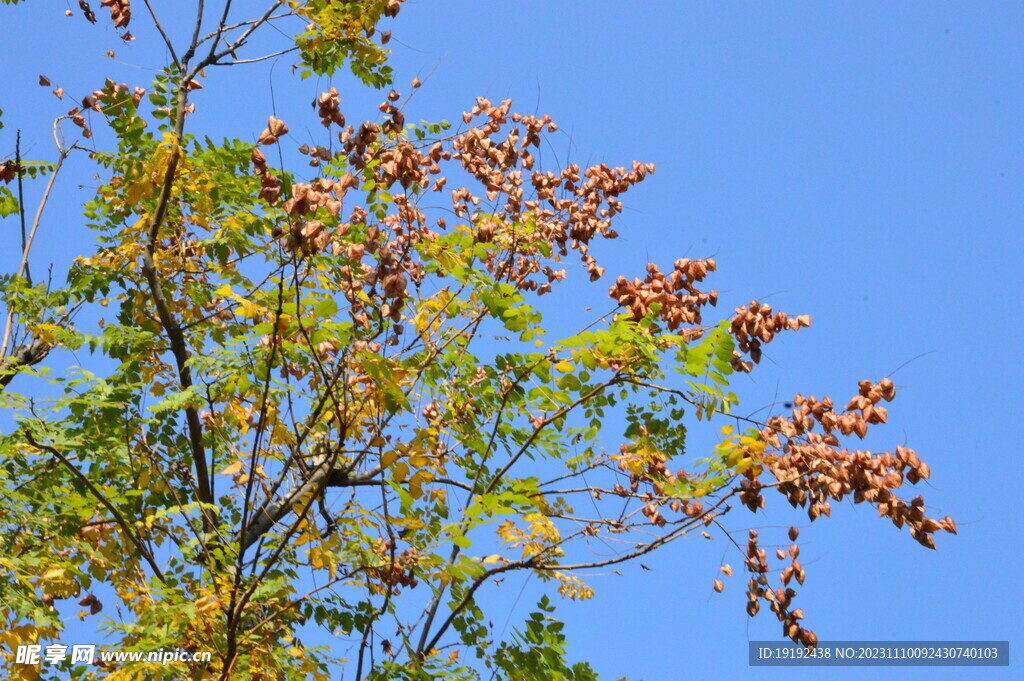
328,397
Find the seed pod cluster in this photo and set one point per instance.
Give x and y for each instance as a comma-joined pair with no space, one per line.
813,470
677,300
755,325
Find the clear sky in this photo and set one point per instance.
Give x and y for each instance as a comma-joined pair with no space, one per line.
859,162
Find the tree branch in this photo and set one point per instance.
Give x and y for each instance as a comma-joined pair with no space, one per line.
323,475
122,523
171,327
26,249
160,29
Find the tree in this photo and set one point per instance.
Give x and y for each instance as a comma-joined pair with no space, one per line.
327,398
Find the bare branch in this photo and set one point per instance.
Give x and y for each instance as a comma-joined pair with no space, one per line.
21,207
213,57
194,43
163,34
27,248
256,59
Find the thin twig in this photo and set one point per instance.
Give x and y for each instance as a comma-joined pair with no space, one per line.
160,29
21,205
255,59
27,247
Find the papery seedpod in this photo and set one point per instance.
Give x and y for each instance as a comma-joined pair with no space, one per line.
266,138
888,389
719,586
44,81
270,194
277,127
311,228
355,251
394,285
87,11
786,575
120,12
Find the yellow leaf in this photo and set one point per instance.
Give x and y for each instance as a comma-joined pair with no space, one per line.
47,332
564,366
400,471
232,468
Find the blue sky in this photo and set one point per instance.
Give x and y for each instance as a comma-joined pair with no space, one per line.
859,162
